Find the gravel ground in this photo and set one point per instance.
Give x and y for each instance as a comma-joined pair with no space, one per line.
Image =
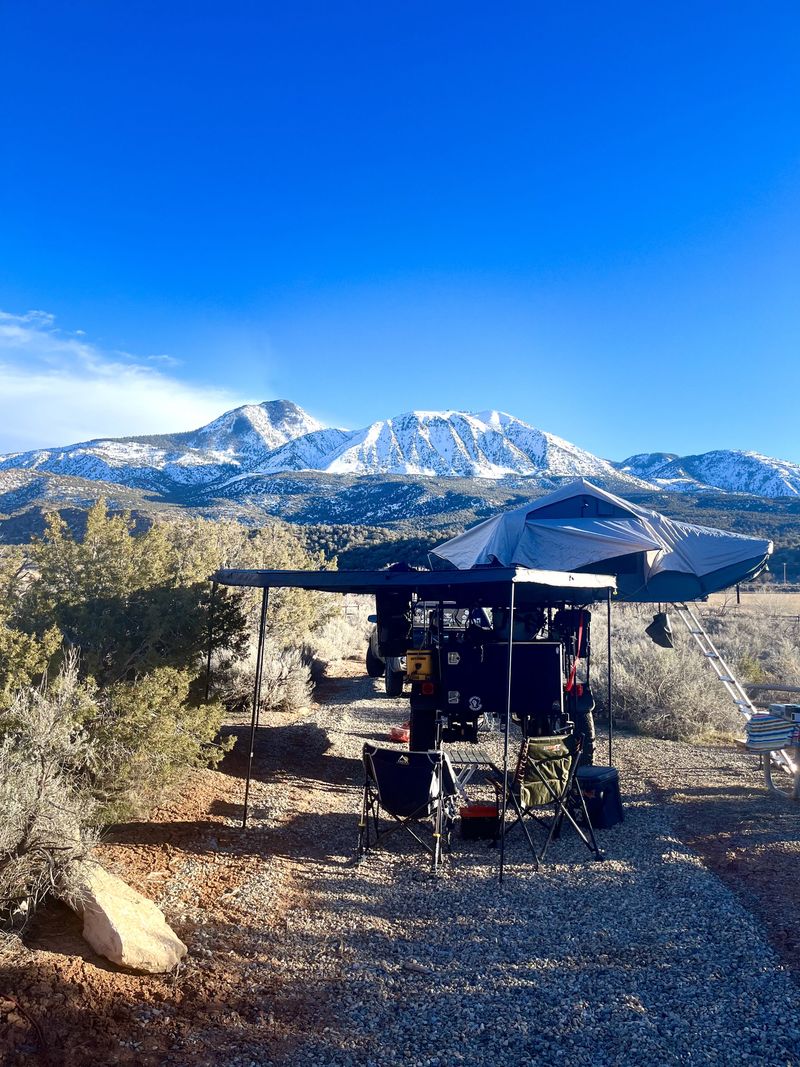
644,958
298,956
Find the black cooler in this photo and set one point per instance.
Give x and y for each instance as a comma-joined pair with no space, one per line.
600,788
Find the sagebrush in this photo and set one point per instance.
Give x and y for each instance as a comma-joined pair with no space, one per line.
673,693
49,812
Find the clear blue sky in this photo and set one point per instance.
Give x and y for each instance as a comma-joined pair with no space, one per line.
585,214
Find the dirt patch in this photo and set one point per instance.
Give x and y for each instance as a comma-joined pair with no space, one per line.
60,1002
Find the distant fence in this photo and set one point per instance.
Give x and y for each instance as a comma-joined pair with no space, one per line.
768,587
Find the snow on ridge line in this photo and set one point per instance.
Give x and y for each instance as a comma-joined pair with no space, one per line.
279,437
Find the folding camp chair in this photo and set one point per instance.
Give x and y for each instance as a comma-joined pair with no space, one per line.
546,778
411,788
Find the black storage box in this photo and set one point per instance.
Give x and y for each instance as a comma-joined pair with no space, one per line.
479,822
600,788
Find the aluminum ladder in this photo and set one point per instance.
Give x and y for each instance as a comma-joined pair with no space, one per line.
736,691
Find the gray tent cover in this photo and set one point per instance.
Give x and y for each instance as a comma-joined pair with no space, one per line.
583,528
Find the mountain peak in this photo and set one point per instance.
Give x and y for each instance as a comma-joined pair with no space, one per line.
255,441
269,425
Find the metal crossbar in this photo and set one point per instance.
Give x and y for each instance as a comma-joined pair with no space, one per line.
691,620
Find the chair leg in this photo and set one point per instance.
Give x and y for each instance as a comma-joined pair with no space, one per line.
591,844
521,820
573,789
438,819
363,825
437,836
406,824
561,812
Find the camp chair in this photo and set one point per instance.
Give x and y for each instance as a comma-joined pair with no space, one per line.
546,778
411,788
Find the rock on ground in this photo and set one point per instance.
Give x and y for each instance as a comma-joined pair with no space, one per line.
124,926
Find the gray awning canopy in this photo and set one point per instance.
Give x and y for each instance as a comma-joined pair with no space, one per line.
461,587
583,528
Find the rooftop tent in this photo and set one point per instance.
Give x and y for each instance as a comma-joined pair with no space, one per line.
586,529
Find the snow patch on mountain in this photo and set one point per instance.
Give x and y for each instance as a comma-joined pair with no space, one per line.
237,440
731,470
450,444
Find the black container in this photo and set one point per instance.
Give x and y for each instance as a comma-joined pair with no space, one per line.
422,720
600,788
480,822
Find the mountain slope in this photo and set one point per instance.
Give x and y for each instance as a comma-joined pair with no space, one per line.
729,470
237,440
446,444
234,457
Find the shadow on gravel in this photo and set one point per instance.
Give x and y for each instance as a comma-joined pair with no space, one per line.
296,750
750,839
158,833
379,737
338,689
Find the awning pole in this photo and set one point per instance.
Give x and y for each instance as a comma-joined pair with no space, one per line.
210,636
256,699
610,707
505,740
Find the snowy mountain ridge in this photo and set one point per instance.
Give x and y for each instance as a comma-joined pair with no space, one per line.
449,444
236,454
238,439
728,470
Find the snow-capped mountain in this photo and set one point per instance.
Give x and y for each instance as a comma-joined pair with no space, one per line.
257,441
728,470
239,455
444,444
236,441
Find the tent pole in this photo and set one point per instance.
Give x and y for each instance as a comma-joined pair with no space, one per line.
608,682
505,739
256,699
211,607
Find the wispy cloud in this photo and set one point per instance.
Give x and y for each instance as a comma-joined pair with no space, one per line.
57,388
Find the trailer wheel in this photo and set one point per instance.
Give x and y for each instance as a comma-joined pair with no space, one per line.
375,666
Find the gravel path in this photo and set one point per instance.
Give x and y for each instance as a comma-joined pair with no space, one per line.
298,957
645,958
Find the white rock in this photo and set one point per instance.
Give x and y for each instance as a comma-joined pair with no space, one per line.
122,925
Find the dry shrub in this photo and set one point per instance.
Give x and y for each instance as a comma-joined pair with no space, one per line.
674,693
345,633
671,693
760,648
47,811
286,683
291,670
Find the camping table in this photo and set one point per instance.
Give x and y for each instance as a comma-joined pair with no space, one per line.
466,759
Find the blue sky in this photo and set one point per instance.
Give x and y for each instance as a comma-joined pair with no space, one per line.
586,215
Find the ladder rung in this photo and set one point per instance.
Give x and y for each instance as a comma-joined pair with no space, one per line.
718,664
